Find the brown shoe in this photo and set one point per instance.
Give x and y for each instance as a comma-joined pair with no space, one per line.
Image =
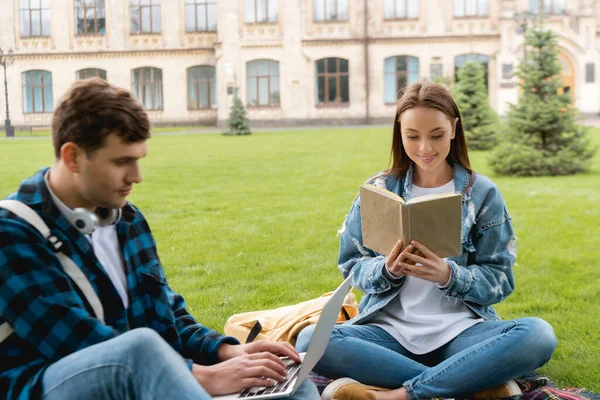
348,389
507,389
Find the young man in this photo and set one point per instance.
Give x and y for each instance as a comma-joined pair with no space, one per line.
146,346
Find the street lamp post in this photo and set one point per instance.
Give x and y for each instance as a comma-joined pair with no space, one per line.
5,60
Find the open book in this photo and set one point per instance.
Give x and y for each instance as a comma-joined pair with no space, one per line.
433,220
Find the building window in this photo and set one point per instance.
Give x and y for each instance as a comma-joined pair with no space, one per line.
400,9
481,58
35,18
507,71
400,71
257,11
330,10
37,92
90,73
90,17
471,8
332,81
146,83
262,83
550,6
436,70
590,73
145,16
201,87
200,15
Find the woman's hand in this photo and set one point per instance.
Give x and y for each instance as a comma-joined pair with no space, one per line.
424,264
397,257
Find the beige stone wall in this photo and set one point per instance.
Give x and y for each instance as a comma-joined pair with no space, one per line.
296,42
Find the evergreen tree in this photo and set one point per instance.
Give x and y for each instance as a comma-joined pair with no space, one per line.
478,118
543,137
238,123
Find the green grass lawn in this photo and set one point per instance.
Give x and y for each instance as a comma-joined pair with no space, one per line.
244,223
163,129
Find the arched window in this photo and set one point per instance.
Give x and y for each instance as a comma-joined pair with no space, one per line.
400,71
201,87
37,92
332,81
262,83
481,58
146,84
90,73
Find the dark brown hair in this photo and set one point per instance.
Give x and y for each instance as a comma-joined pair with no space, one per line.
91,110
436,96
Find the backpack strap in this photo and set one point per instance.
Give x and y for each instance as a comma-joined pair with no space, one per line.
71,269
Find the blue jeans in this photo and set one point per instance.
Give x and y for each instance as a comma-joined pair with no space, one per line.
138,364
483,356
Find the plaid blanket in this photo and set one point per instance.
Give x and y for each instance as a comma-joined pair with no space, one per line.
534,387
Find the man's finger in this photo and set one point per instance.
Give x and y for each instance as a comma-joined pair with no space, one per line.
256,382
281,349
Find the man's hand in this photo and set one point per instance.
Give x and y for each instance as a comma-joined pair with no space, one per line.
283,349
244,366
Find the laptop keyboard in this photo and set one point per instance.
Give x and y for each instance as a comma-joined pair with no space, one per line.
291,368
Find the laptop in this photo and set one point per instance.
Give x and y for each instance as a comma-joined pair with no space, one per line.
296,373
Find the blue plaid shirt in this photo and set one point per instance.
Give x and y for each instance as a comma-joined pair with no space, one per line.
51,319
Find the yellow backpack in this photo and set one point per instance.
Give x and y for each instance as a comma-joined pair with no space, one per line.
285,323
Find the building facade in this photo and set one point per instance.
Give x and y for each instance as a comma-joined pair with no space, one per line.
293,61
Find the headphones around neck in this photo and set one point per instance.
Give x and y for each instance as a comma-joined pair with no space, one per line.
86,221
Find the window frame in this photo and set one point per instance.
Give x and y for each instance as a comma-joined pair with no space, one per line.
268,78
43,86
552,6
29,11
396,17
142,87
474,57
86,73
196,4
197,82
337,7
266,7
477,13
407,72
338,75
139,6
85,7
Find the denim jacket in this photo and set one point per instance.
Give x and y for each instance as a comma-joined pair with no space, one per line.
480,277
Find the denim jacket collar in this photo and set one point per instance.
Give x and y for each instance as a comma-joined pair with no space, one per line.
461,180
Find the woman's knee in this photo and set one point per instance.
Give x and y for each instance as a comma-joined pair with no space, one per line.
543,337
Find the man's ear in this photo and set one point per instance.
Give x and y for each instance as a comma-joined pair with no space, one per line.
70,154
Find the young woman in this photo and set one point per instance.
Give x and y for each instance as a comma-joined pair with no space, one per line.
426,326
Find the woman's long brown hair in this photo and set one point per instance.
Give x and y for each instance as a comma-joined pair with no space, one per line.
436,96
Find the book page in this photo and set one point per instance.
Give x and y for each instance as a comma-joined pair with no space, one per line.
384,192
428,197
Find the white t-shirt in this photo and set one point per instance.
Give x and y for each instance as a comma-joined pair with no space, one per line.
421,319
